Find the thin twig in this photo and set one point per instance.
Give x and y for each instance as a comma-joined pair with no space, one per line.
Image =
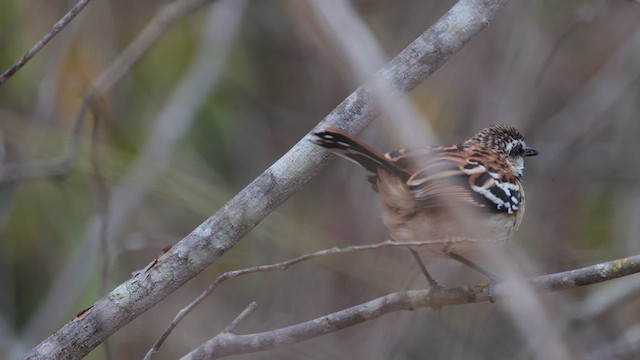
57,27
228,330
284,265
225,344
552,282
159,24
243,315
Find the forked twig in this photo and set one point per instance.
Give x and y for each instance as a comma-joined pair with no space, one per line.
284,265
438,297
225,344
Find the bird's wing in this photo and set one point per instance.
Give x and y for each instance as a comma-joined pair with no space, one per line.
460,175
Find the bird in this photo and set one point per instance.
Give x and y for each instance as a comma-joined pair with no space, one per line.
462,197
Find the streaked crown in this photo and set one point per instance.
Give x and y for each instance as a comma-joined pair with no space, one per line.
505,140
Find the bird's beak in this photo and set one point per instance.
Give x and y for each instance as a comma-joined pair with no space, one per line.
529,151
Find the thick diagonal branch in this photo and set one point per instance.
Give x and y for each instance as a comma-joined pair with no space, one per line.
225,228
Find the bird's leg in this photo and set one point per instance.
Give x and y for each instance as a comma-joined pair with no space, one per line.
473,265
433,284
493,279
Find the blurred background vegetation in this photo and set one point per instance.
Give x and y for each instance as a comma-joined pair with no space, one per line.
567,74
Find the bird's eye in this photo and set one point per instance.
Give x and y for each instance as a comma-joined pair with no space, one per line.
517,150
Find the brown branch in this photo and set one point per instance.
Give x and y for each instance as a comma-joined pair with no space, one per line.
57,27
227,343
214,237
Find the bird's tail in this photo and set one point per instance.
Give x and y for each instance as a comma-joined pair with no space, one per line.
356,151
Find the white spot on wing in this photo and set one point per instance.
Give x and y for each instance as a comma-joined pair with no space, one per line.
486,193
506,188
475,170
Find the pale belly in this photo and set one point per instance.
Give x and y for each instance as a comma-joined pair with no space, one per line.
462,229
464,236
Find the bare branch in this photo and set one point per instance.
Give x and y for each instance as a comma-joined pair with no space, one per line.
223,230
57,27
284,265
229,329
243,315
588,275
227,344
340,20
552,282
